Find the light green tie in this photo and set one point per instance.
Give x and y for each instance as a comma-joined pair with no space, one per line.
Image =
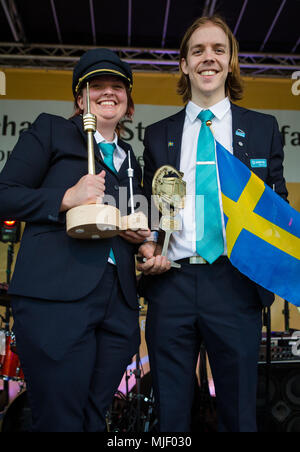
108,158
107,150
209,230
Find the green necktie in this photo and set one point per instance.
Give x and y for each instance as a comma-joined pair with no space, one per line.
107,150
209,230
108,158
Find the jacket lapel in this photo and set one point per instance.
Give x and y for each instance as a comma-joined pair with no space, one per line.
77,120
174,138
240,134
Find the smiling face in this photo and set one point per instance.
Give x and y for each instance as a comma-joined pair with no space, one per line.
108,100
207,64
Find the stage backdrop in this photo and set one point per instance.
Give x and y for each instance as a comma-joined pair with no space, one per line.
30,92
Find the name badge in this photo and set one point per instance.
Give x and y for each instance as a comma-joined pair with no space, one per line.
258,163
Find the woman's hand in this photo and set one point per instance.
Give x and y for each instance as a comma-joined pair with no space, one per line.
89,189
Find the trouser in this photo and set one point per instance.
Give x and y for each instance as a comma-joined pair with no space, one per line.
220,306
74,354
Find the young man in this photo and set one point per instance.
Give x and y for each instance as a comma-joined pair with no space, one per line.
207,299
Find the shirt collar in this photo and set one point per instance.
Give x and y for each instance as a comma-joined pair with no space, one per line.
100,139
219,109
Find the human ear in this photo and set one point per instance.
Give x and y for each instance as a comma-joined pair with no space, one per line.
79,101
183,66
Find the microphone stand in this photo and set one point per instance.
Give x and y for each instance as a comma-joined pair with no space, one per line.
286,313
137,374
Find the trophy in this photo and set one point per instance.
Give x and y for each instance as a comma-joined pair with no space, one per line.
97,221
169,191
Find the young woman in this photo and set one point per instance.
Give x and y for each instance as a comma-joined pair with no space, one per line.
74,301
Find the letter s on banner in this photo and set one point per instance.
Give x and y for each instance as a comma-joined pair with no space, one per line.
2,84
296,84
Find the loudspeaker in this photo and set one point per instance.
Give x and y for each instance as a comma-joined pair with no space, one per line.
278,397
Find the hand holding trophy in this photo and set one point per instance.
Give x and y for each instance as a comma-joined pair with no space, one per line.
169,191
97,221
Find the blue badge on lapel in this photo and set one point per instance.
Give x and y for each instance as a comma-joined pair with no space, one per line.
170,144
258,163
240,133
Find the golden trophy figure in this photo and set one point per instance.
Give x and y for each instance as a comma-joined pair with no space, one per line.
98,221
169,191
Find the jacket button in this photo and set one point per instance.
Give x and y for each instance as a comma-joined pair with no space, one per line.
116,187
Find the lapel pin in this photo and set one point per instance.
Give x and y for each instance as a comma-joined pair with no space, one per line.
240,133
170,144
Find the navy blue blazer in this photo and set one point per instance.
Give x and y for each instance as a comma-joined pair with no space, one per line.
48,159
262,140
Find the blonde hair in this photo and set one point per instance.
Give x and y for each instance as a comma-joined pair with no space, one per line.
234,83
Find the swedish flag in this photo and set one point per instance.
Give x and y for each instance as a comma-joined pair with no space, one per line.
262,230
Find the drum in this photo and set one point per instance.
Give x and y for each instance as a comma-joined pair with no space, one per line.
10,367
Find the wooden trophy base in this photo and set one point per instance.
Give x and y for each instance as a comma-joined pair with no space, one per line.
100,221
93,221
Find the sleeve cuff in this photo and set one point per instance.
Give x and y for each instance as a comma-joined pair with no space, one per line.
153,237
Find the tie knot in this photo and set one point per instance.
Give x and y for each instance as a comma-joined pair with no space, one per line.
107,149
205,115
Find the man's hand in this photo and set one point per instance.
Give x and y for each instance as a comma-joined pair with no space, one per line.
89,189
156,263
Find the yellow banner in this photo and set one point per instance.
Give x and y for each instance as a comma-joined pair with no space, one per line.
149,88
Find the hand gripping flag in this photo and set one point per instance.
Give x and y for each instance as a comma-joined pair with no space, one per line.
262,230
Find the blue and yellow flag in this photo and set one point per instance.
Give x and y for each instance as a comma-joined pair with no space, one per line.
262,230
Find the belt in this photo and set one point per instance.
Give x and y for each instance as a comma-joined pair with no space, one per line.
199,260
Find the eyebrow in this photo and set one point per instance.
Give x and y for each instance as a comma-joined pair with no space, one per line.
217,44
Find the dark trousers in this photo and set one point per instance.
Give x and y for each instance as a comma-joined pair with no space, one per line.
74,354
216,304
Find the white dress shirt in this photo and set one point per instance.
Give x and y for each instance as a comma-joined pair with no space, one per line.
118,157
183,243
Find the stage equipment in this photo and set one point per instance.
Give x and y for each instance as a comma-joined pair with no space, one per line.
283,347
9,361
134,412
278,409
132,409
10,368
10,231
169,191
98,221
